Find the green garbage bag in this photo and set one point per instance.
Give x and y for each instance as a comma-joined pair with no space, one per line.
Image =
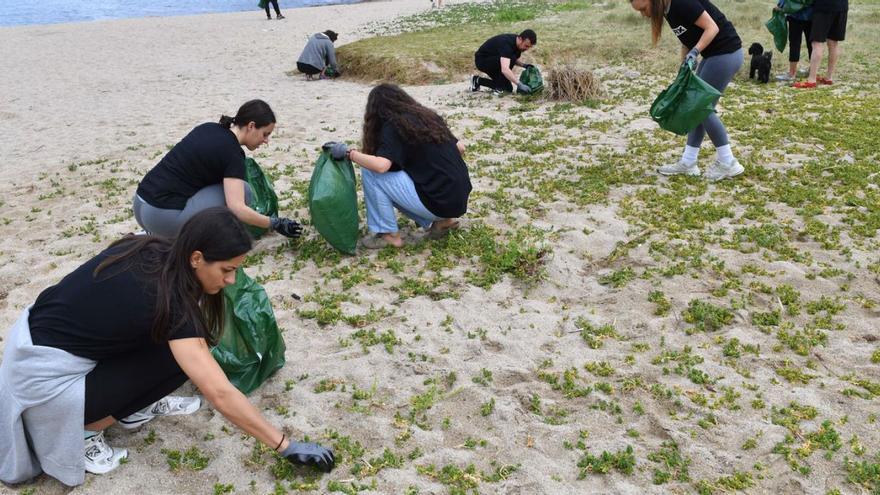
333,202
251,348
779,28
263,4
686,103
792,6
531,77
264,199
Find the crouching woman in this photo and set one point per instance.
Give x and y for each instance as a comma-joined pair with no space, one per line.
410,161
112,339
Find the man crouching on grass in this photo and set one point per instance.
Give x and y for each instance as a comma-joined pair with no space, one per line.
497,56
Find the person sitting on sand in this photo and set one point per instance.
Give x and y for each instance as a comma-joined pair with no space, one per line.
318,55
497,56
410,161
703,30
112,339
205,169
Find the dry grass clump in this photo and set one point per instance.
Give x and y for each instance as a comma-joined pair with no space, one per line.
571,84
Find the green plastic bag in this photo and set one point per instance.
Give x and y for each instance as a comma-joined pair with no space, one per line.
251,348
264,199
333,202
531,77
685,104
792,6
779,28
263,4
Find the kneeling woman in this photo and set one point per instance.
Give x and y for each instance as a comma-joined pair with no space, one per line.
410,161
207,169
112,339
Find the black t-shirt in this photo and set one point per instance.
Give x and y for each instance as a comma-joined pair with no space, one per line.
830,5
502,45
681,17
110,316
207,155
438,171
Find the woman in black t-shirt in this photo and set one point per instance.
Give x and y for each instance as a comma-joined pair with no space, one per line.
207,169
702,30
410,161
125,329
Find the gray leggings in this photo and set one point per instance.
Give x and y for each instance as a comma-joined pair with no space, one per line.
718,71
166,223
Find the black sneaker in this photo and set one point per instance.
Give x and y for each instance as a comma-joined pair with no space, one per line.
475,83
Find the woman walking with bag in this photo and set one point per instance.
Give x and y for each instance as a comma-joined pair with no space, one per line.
702,30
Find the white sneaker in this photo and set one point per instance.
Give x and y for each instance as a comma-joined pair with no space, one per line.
680,168
475,83
719,170
785,76
167,406
100,457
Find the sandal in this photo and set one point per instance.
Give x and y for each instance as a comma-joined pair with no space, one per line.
436,232
822,80
376,242
804,85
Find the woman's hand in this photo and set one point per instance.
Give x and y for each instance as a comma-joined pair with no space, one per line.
310,454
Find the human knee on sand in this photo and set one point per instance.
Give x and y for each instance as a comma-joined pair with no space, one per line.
207,168
497,56
112,339
318,57
410,161
703,31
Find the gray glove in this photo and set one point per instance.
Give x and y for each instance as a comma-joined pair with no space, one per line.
523,88
691,58
286,227
528,66
337,150
310,454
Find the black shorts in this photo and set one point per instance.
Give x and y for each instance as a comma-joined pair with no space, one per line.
307,69
828,26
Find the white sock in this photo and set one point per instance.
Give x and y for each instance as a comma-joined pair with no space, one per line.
690,155
724,154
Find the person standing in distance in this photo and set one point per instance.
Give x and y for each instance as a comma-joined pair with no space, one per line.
829,26
702,30
497,56
206,168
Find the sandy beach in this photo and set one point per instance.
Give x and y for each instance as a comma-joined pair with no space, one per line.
433,368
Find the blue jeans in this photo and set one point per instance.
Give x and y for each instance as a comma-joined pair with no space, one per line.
386,191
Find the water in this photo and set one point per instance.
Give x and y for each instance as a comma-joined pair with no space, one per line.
20,12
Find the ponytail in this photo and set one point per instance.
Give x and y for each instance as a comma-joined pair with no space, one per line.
256,111
227,121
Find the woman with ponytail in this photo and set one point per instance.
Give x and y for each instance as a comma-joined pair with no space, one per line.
207,169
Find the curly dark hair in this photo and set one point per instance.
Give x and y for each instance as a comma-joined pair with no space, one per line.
414,122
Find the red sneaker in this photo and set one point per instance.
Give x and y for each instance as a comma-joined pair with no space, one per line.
804,85
822,80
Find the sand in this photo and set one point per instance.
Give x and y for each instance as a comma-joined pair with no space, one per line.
88,108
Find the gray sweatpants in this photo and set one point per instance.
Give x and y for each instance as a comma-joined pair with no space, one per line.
166,223
718,71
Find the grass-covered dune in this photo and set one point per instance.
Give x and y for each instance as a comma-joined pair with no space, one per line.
438,46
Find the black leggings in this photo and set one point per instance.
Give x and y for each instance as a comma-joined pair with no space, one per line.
795,29
123,385
274,4
492,67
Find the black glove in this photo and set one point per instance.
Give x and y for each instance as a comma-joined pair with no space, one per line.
528,66
523,88
337,150
286,227
310,454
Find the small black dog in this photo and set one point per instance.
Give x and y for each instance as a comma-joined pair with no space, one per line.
760,63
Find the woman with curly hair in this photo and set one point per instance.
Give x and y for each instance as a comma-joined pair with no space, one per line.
410,161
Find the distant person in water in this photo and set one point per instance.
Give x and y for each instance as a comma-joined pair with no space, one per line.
318,58
265,4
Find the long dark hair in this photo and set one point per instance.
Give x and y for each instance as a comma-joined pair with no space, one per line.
256,111
180,300
658,17
414,122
